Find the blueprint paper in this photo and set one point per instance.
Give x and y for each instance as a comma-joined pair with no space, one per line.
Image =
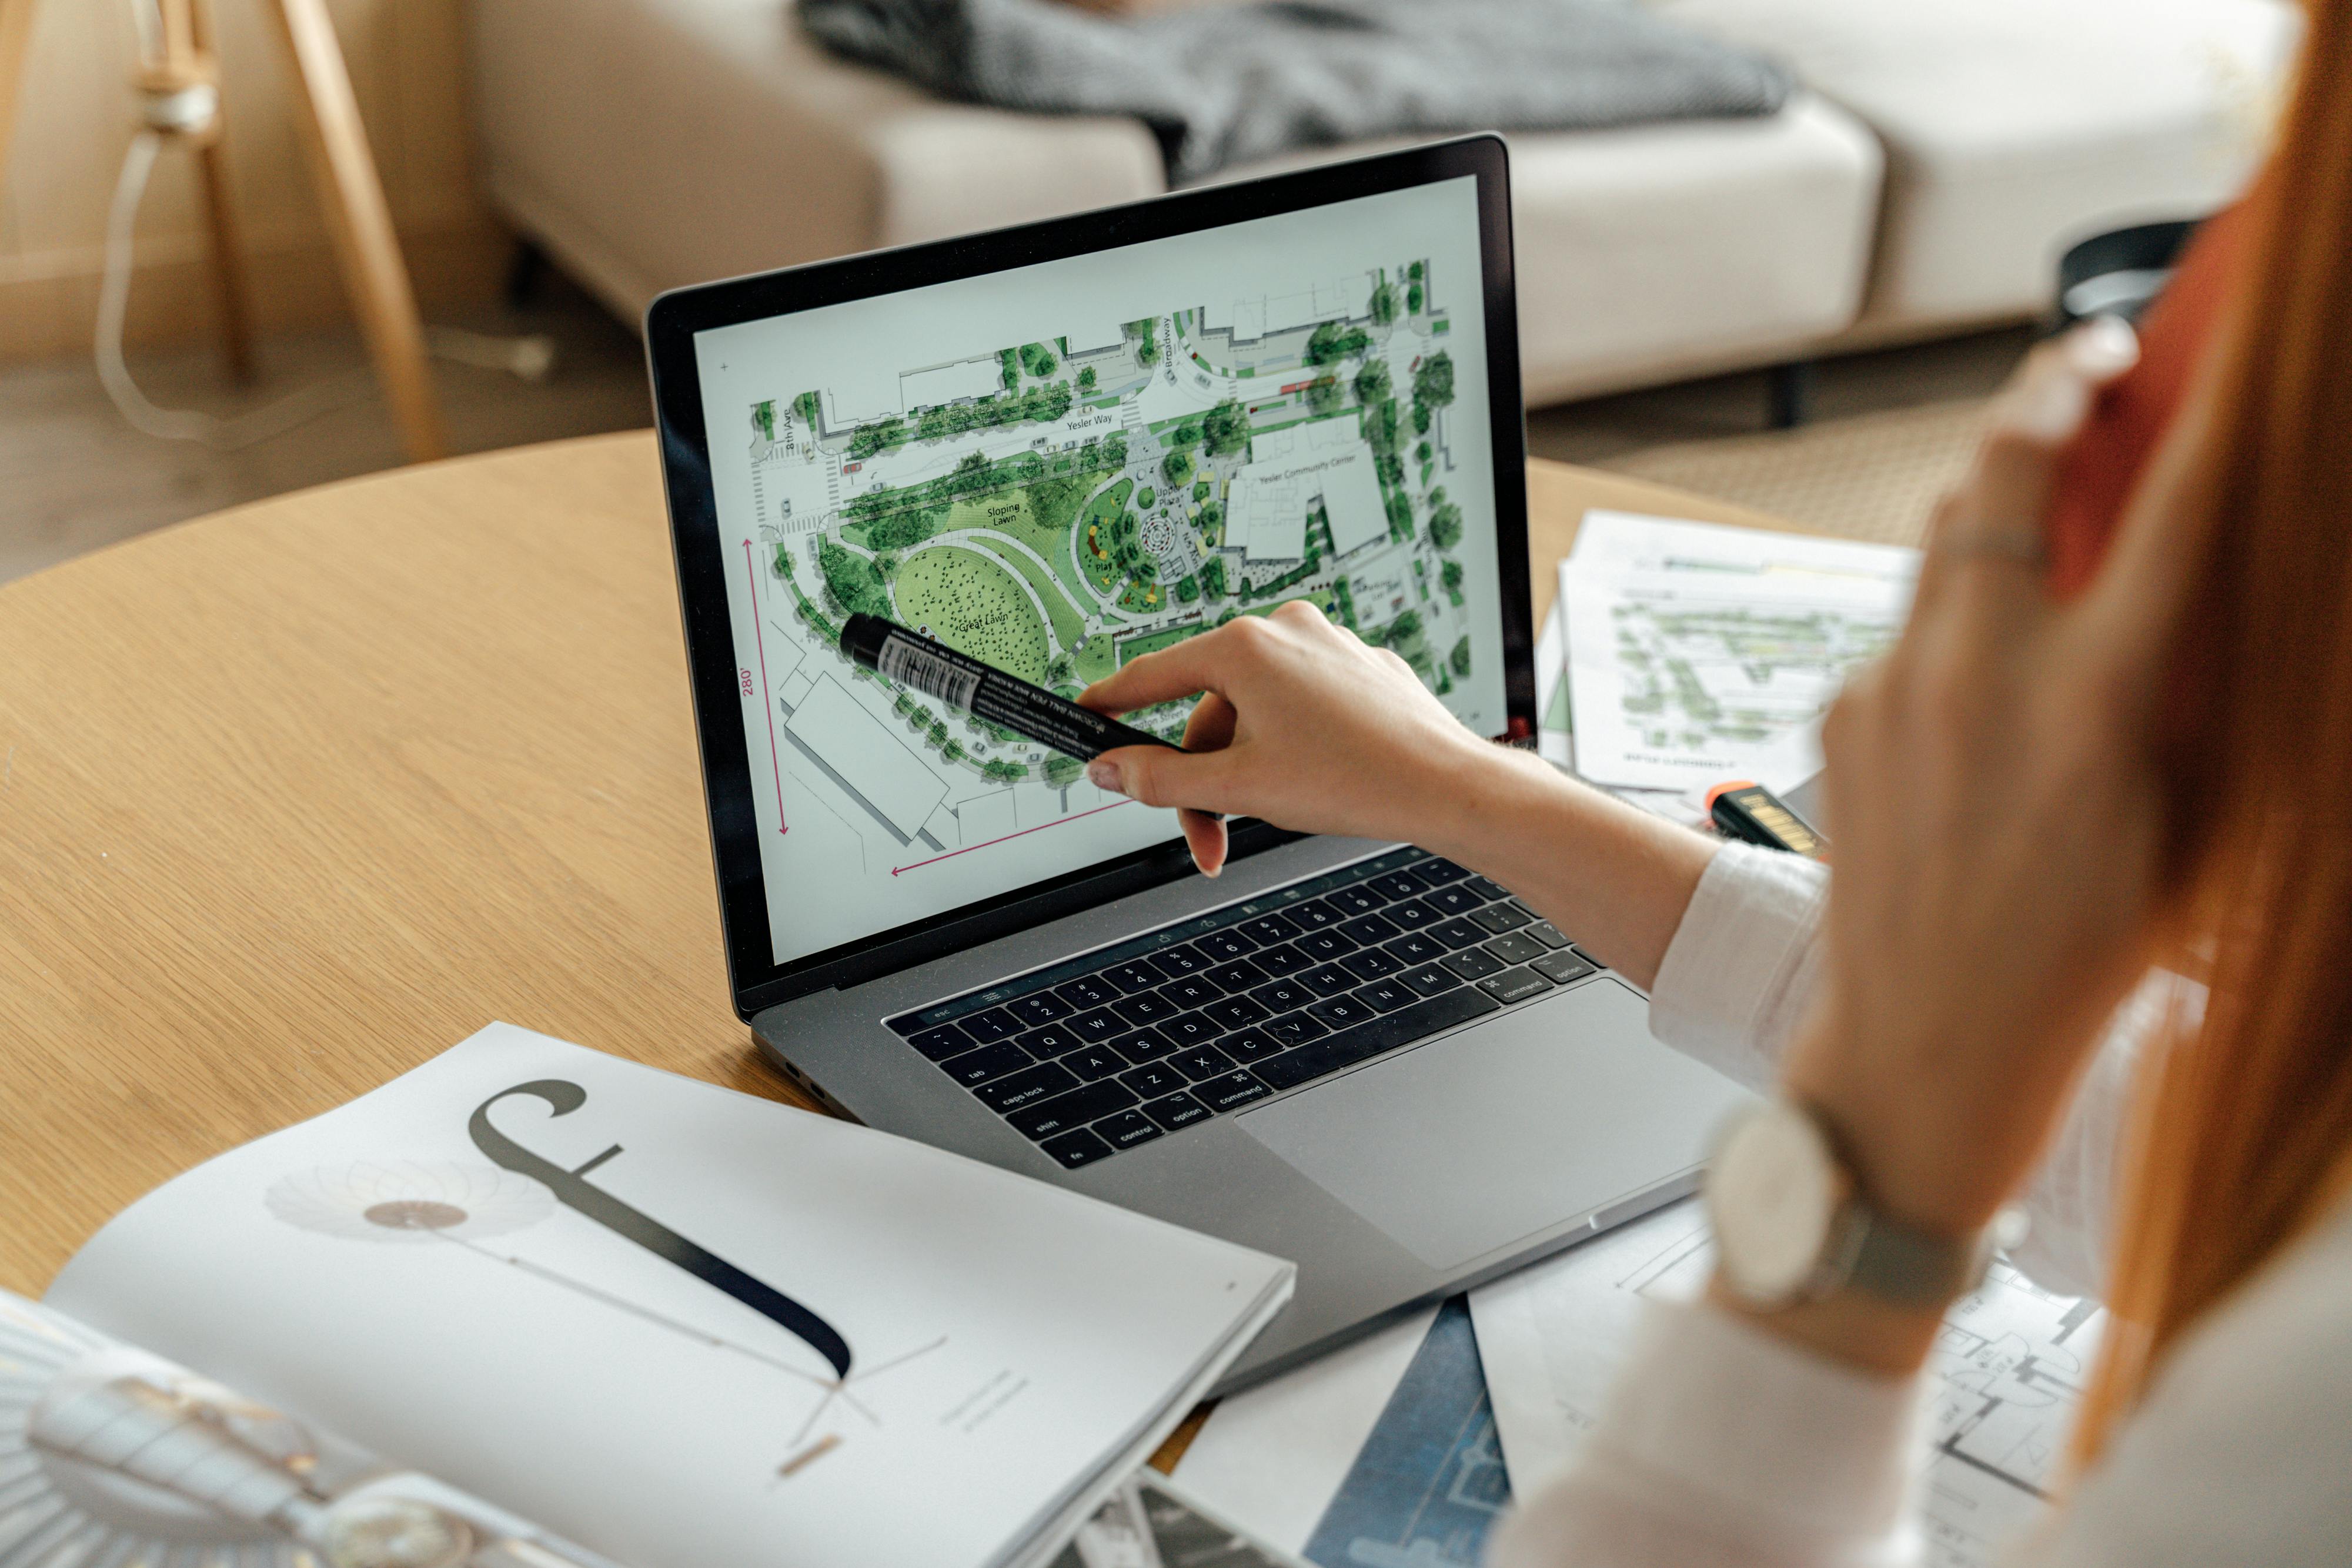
1698,653
1383,1454
1555,729
1273,1456
2008,1371
474,1269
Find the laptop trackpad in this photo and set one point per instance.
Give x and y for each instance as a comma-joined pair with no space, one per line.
1472,1143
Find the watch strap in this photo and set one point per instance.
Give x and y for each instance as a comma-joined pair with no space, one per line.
1913,1268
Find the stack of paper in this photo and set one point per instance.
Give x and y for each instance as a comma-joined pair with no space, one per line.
1695,654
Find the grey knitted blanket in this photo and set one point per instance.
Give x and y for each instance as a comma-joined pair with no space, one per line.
1225,84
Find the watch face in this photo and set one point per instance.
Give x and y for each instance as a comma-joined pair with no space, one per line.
1774,1193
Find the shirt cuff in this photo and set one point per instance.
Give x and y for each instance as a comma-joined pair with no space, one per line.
1735,980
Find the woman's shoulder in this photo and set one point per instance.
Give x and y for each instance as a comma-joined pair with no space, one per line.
2237,1454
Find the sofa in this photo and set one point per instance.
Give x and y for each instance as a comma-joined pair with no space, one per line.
1923,182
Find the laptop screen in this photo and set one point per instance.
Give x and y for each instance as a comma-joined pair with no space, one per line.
1061,466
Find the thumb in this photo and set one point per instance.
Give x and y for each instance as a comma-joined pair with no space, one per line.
1163,776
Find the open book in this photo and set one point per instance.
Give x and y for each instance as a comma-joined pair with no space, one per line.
675,1326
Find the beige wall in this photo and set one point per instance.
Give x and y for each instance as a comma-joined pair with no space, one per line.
406,61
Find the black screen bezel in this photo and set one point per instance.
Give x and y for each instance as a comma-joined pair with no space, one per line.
674,318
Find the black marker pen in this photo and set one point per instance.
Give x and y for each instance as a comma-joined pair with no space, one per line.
984,691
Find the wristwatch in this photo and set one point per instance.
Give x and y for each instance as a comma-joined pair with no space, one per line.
1791,1226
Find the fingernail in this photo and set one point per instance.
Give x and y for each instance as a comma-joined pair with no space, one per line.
2102,346
1103,776
2049,409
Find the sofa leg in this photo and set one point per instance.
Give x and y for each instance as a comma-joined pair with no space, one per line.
523,274
1791,393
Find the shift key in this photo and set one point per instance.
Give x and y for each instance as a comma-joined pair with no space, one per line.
1065,1112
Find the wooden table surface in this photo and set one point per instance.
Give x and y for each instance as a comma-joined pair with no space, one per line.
297,795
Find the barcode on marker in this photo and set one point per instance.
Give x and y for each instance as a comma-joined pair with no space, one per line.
905,661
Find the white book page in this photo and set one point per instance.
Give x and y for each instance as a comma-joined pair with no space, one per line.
1698,653
515,1331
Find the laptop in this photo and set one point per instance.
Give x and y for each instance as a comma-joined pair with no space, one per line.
1057,447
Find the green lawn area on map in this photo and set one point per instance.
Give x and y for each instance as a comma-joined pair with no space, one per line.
973,605
1016,514
1067,623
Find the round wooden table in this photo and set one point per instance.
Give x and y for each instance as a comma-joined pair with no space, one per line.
297,795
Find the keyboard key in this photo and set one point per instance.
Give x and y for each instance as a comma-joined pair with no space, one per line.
1093,1061
1398,884
1191,991
1148,1007
1455,935
1225,943
1086,991
989,1061
1412,915
1340,1012
1131,977
1201,1061
1125,1130
1181,961
1177,1111
1050,1042
1315,914
1267,929
1281,996
1519,947
1472,963
1486,889
1438,870
1325,946
1098,1024
1291,1028
1545,931
1385,1032
1283,960
1515,984
1431,979
1043,1006
1235,1012
1233,1088
1452,900
1253,1044
1141,1044
1369,929
1387,996
1561,967
1239,974
1371,964
994,1025
942,1042
1041,1081
1417,948
1329,980
1356,898
1191,1028
1501,918
1152,1081
1062,1112
1072,1150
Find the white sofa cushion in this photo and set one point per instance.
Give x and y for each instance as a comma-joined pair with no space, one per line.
2013,127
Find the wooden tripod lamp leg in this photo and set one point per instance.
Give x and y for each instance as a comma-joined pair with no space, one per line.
359,222
15,43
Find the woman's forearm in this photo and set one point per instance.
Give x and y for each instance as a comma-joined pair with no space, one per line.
1615,878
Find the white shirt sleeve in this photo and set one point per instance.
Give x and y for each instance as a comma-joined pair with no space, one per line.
1742,968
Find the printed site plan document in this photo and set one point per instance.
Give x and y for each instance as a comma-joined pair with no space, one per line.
676,1324
2009,1370
1699,653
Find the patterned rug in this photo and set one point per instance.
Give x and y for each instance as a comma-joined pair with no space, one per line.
1874,476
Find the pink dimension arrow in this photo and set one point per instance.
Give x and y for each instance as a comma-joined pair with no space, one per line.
1008,838
767,694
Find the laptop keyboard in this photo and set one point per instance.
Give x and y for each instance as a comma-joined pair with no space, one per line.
1164,1031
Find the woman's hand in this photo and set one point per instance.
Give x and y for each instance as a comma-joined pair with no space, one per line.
1304,725
1994,798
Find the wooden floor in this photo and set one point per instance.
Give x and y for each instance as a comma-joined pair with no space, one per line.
74,477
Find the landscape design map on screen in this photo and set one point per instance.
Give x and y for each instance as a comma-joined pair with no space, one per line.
1064,495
